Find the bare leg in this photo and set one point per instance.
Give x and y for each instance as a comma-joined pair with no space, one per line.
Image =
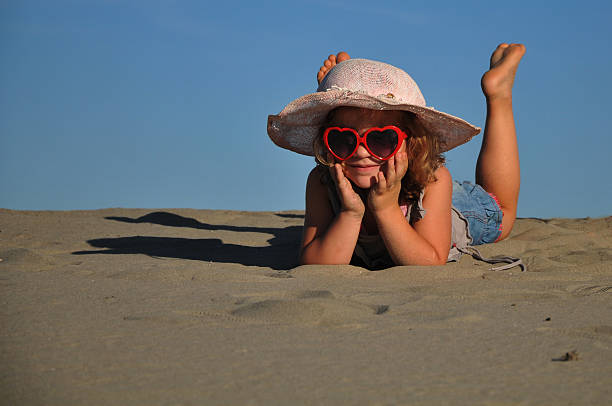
498,169
330,62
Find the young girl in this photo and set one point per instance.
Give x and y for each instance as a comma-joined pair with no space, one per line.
380,194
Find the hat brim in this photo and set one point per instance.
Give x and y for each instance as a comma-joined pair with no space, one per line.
296,126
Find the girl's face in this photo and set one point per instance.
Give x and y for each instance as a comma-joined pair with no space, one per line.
362,168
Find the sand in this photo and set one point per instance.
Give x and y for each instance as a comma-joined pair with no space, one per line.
190,307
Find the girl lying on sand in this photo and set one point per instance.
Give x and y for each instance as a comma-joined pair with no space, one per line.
380,194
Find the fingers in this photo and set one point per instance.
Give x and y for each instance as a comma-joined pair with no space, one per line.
396,168
381,183
389,169
341,182
401,164
339,174
336,173
350,200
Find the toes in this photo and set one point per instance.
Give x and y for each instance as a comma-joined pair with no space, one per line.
342,56
518,49
513,54
321,75
497,54
330,62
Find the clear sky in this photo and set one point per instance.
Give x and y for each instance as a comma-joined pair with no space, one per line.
163,104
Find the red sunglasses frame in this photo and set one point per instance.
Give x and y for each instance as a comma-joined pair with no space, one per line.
363,140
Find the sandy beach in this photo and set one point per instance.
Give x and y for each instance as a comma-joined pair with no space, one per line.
203,307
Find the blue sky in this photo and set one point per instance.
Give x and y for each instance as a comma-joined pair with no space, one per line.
163,104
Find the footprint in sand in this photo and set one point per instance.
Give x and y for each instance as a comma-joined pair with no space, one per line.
599,333
585,257
590,290
281,275
308,307
536,261
23,258
163,318
540,232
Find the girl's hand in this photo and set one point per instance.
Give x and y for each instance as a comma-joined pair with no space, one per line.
385,193
351,202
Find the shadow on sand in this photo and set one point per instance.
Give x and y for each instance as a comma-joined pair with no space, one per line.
281,254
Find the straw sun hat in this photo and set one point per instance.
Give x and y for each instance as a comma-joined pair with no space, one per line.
366,84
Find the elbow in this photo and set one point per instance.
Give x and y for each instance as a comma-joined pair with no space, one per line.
308,258
434,260
303,257
317,258
439,261
437,258
440,258
321,261
313,254
304,261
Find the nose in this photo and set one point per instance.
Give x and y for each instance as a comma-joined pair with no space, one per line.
362,152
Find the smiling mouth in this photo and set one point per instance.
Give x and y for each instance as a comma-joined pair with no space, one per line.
363,168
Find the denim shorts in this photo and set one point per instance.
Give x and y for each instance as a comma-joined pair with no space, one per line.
481,210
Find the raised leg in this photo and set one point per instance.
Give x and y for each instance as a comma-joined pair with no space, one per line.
497,168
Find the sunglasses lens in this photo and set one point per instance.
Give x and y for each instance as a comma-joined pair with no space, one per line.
341,143
382,143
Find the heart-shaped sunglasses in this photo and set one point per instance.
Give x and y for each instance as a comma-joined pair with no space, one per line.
381,143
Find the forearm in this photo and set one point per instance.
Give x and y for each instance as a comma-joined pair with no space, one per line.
336,245
404,244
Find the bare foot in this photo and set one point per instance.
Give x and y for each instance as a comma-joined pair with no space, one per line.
498,80
330,62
